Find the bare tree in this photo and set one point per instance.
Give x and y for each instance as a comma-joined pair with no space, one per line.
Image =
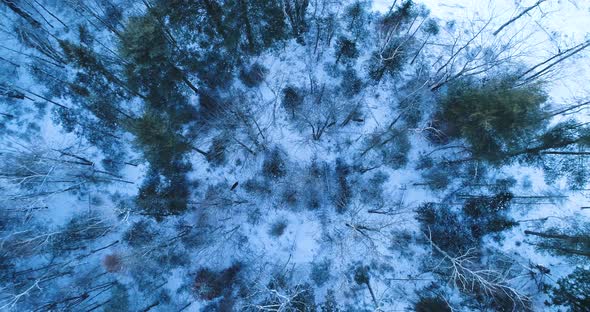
464,272
34,172
514,19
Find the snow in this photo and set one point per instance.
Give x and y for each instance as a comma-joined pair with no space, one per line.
313,235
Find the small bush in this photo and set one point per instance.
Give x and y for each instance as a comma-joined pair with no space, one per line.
140,234
278,228
274,166
483,206
343,190
486,214
209,284
173,258
112,263
314,200
316,170
290,196
216,154
432,304
351,84
77,233
161,144
252,76
372,191
391,61
320,272
303,299
119,299
391,148
330,304
258,186
345,49
292,99
361,275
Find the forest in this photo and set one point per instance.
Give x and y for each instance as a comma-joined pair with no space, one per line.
294,155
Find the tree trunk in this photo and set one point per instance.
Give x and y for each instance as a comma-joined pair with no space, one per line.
372,295
214,15
518,16
248,26
12,6
574,239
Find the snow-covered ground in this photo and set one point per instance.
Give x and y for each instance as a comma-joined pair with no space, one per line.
386,242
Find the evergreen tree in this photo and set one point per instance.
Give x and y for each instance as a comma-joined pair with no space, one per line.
345,48
573,290
330,304
495,116
574,242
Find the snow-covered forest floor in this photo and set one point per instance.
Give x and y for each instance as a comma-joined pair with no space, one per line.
294,155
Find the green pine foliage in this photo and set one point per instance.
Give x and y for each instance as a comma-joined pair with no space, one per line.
162,146
457,231
495,116
573,291
432,304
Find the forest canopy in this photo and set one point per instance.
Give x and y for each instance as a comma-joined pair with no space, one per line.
294,155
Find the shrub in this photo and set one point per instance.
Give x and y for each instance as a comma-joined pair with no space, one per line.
209,106
351,84
390,147
278,228
192,237
216,69
216,154
290,196
395,152
274,166
320,272
252,76
209,284
140,234
372,191
432,304
172,258
361,275
301,298
77,233
485,214
437,177
258,186
343,190
112,263
161,145
304,301
314,200
345,48
292,99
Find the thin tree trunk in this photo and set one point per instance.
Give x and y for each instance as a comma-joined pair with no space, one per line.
22,13
518,16
553,236
372,295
